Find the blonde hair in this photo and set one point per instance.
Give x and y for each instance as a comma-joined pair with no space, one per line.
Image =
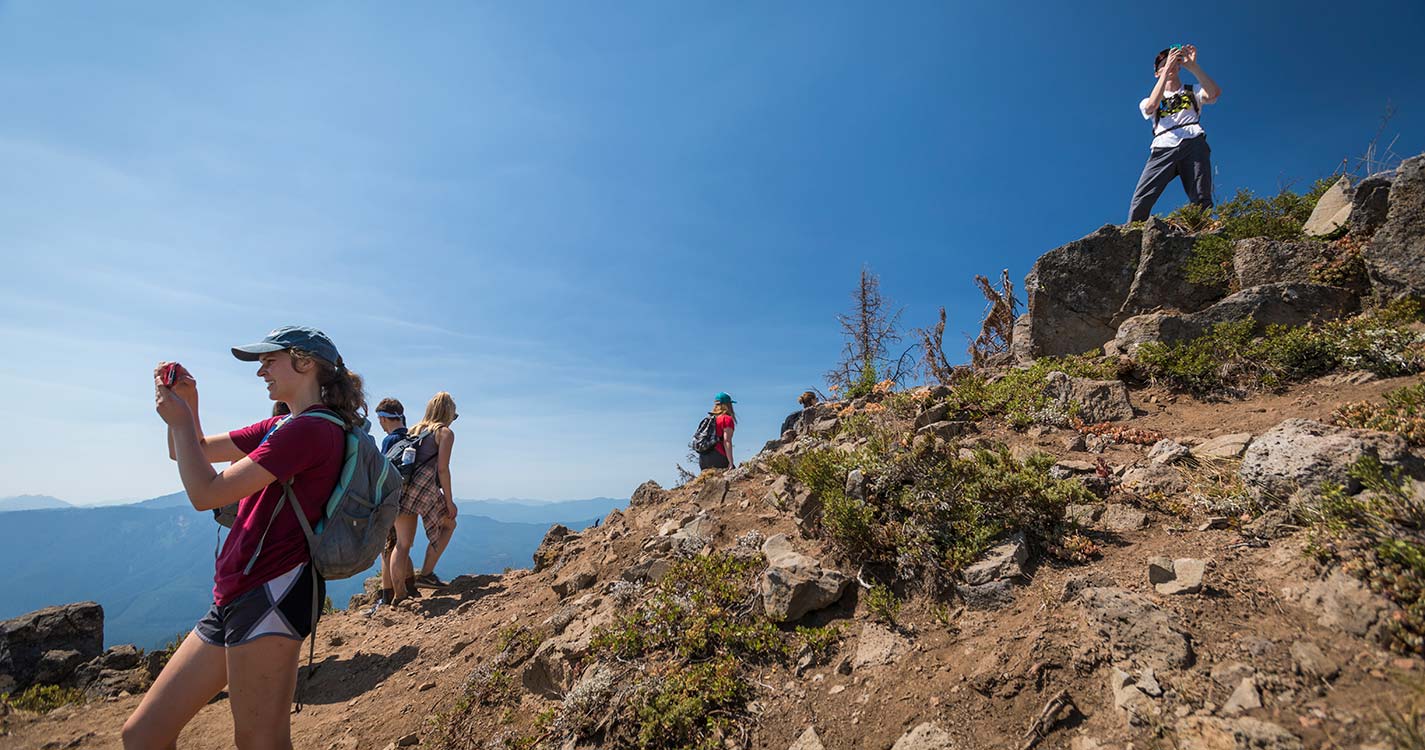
440,412
723,408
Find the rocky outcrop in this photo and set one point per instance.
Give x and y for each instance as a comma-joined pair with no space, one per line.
1097,400
1395,259
48,644
1075,292
551,548
1302,455
795,584
1161,280
1260,261
1370,203
1285,303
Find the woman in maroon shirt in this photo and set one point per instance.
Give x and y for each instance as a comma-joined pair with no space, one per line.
263,586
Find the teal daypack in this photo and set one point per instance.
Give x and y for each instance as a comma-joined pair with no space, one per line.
358,516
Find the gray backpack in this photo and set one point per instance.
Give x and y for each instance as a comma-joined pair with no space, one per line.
363,506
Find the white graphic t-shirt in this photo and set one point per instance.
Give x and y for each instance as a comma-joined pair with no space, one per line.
1175,109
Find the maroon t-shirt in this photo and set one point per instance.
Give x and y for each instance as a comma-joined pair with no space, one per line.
306,450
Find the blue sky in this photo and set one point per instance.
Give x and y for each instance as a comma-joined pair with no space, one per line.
582,219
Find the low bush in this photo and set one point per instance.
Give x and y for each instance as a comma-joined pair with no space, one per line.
1378,535
42,698
928,512
1210,262
1231,358
1403,412
1017,396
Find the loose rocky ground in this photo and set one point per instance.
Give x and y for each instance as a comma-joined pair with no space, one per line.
983,676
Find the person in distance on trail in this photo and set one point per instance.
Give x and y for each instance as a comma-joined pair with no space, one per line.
807,400
428,495
254,595
724,424
392,416
1179,146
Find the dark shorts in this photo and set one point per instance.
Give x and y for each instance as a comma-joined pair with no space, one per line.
712,460
282,606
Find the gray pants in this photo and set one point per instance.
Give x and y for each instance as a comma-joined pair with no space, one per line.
1190,161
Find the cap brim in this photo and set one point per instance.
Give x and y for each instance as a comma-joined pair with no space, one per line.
251,352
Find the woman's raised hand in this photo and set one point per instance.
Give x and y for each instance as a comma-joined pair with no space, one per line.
175,403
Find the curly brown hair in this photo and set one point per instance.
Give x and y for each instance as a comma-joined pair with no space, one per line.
342,389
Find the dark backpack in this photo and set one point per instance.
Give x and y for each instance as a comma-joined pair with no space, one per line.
1158,115
705,438
396,452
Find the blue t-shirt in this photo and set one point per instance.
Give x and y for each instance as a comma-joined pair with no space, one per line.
391,439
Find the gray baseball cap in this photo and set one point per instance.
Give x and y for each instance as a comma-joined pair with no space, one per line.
291,337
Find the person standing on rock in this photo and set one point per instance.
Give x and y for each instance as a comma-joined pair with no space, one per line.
428,495
724,424
254,595
1179,143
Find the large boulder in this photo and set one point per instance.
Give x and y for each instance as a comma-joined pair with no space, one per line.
69,635
1074,293
1098,400
1258,261
1284,303
1333,209
1395,259
1300,455
1371,203
1160,281
648,493
795,584
551,548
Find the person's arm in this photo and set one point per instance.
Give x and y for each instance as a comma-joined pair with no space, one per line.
216,448
207,489
1210,89
444,442
727,444
1156,95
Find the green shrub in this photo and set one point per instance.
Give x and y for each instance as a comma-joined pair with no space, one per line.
1379,536
1191,217
1210,262
865,384
42,698
1342,264
883,604
1403,412
693,706
1018,396
1229,357
928,512
1278,218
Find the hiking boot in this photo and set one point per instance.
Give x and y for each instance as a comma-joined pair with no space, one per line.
411,590
386,595
430,581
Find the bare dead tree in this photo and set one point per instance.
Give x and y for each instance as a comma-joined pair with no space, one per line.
997,329
1378,159
871,329
933,363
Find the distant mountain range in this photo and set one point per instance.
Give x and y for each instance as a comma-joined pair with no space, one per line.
150,563
31,502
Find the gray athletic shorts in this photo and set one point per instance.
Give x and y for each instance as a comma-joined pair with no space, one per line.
282,606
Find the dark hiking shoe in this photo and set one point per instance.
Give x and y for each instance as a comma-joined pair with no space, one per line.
430,581
411,589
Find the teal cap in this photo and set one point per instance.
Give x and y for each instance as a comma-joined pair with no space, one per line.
291,337
723,398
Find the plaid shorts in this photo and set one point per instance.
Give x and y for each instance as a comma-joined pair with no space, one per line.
421,496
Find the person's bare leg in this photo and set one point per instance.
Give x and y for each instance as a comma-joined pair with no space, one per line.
436,547
262,676
196,672
386,573
402,569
